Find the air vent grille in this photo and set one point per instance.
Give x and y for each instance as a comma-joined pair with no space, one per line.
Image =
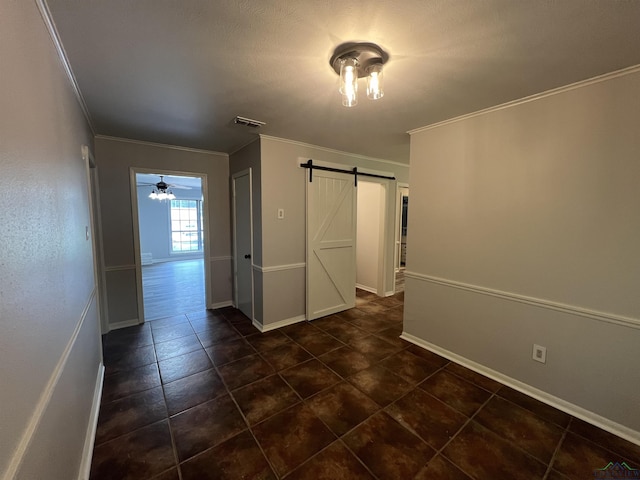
248,122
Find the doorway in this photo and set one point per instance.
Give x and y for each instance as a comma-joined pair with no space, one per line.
243,242
401,236
370,234
171,232
342,211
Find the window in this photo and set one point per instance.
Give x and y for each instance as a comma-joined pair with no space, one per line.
186,226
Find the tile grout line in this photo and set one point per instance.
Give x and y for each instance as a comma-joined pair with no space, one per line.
469,420
162,384
343,379
519,448
557,449
216,369
602,444
233,398
174,448
248,429
154,343
304,401
338,438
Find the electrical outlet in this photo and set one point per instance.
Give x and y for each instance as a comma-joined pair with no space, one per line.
539,353
280,213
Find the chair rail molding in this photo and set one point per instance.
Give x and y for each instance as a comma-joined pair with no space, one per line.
536,302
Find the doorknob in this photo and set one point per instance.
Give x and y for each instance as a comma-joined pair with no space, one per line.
247,256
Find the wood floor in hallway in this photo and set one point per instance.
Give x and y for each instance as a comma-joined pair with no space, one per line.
172,288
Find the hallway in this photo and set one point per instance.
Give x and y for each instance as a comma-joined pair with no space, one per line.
204,395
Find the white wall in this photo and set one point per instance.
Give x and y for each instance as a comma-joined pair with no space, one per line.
371,203
114,158
155,229
50,358
524,228
283,185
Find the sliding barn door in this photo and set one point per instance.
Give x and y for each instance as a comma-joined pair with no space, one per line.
331,243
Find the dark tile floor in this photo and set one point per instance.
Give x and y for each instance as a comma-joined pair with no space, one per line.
206,396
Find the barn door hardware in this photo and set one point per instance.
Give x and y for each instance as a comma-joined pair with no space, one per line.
354,171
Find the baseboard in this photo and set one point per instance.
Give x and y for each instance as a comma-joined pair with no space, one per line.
124,324
155,261
281,323
258,325
389,294
214,306
567,407
89,441
366,289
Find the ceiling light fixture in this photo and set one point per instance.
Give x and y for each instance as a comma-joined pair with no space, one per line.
356,60
162,192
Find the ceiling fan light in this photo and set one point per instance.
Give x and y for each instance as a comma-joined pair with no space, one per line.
163,190
375,79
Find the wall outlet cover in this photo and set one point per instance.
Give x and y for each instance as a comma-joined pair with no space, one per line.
539,353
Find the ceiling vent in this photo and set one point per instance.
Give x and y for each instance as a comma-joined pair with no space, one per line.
248,122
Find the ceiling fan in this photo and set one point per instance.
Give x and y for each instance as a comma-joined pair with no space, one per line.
162,189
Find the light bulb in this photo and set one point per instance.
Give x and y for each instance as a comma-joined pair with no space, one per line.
374,81
349,82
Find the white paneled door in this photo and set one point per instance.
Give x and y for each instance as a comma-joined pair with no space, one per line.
331,243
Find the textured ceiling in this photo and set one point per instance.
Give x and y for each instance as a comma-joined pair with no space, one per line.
178,72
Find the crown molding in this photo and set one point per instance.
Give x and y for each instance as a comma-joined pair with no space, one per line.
331,150
160,145
62,55
532,98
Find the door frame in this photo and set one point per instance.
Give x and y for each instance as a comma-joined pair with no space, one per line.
398,252
96,237
136,230
234,177
382,233
391,204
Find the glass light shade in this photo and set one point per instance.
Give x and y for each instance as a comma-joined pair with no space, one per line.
153,195
375,78
171,196
349,82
